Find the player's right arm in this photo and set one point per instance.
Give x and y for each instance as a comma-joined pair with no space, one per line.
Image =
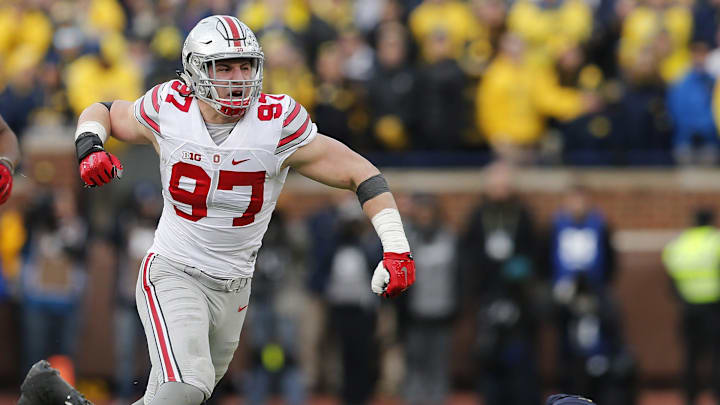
95,124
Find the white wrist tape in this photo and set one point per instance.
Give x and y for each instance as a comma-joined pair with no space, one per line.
389,228
94,127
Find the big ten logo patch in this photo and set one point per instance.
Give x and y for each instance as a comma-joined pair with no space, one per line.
192,156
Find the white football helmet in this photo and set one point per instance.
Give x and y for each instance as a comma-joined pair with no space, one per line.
215,38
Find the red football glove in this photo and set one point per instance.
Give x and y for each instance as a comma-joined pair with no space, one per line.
6,180
99,168
394,274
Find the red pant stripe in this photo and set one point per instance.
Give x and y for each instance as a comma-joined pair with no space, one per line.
162,340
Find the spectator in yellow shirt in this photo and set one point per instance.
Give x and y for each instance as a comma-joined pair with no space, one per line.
663,28
262,15
516,97
547,25
108,76
25,36
286,71
490,16
452,17
106,16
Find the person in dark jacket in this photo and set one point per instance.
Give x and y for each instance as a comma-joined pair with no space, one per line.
429,309
498,268
591,347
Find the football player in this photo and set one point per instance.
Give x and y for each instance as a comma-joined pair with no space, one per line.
9,159
225,149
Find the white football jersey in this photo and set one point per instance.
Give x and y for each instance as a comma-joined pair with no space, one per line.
218,199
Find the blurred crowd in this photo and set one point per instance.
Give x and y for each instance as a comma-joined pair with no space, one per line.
314,326
549,81
544,81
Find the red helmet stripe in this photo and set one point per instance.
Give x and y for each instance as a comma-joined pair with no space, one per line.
234,29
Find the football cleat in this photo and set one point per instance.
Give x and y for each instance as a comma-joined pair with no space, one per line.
44,386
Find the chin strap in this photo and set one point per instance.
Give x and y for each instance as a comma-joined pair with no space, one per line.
185,78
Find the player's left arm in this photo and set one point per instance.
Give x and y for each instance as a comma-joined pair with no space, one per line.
9,159
330,162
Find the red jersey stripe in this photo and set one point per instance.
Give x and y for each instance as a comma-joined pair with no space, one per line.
155,101
299,132
292,115
147,119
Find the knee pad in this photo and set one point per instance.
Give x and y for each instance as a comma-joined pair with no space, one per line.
177,393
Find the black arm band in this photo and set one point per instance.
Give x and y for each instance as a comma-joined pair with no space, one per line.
372,187
107,104
86,144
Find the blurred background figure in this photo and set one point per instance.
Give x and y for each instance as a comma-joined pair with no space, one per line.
341,329
593,356
659,30
352,307
547,25
498,263
338,106
452,19
517,97
133,235
581,243
392,90
596,359
25,37
53,276
273,329
286,69
108,75
690,104
442,118
321,225
693,263
583,136
428,312
653,53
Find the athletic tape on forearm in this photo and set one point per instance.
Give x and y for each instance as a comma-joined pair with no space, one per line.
389,228
94,127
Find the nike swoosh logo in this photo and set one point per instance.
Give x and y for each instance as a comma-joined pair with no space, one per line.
237,162
242,308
